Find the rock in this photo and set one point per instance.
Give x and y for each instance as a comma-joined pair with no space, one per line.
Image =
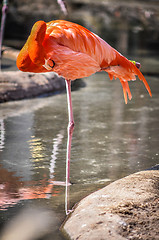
125,209
17,85
9,52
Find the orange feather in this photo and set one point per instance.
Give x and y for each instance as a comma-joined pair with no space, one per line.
74,52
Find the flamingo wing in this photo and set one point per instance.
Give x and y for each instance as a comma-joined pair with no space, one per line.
80,39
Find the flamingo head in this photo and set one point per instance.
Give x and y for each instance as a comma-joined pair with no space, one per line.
32,57
137,64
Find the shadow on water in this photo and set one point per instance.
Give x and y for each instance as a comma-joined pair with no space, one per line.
111,140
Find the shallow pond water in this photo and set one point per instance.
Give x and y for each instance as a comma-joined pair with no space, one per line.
111,140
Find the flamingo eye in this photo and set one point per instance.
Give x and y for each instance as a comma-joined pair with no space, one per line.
49,64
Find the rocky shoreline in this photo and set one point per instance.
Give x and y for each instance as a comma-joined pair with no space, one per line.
126,209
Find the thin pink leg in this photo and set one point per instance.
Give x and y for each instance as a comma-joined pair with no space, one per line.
69,129
69,140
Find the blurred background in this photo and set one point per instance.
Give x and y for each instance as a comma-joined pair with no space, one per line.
111,140
127,24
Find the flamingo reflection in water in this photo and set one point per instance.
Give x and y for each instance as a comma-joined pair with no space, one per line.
12,189
74,52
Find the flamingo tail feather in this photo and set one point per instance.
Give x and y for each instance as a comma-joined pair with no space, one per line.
126,71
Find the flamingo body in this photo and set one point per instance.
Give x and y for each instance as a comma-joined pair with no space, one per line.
74,52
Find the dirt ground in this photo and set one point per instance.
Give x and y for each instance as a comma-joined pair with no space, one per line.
142,220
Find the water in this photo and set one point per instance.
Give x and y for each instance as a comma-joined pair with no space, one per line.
111,140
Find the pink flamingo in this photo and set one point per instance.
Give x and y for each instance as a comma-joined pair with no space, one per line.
74,52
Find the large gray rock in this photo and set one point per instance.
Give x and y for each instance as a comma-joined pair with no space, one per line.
17,85
125,209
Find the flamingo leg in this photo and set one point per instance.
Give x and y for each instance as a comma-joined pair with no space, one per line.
69,140
69,129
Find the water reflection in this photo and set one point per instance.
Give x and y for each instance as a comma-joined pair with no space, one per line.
36,149
13,189
16,155
2,134
56,142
